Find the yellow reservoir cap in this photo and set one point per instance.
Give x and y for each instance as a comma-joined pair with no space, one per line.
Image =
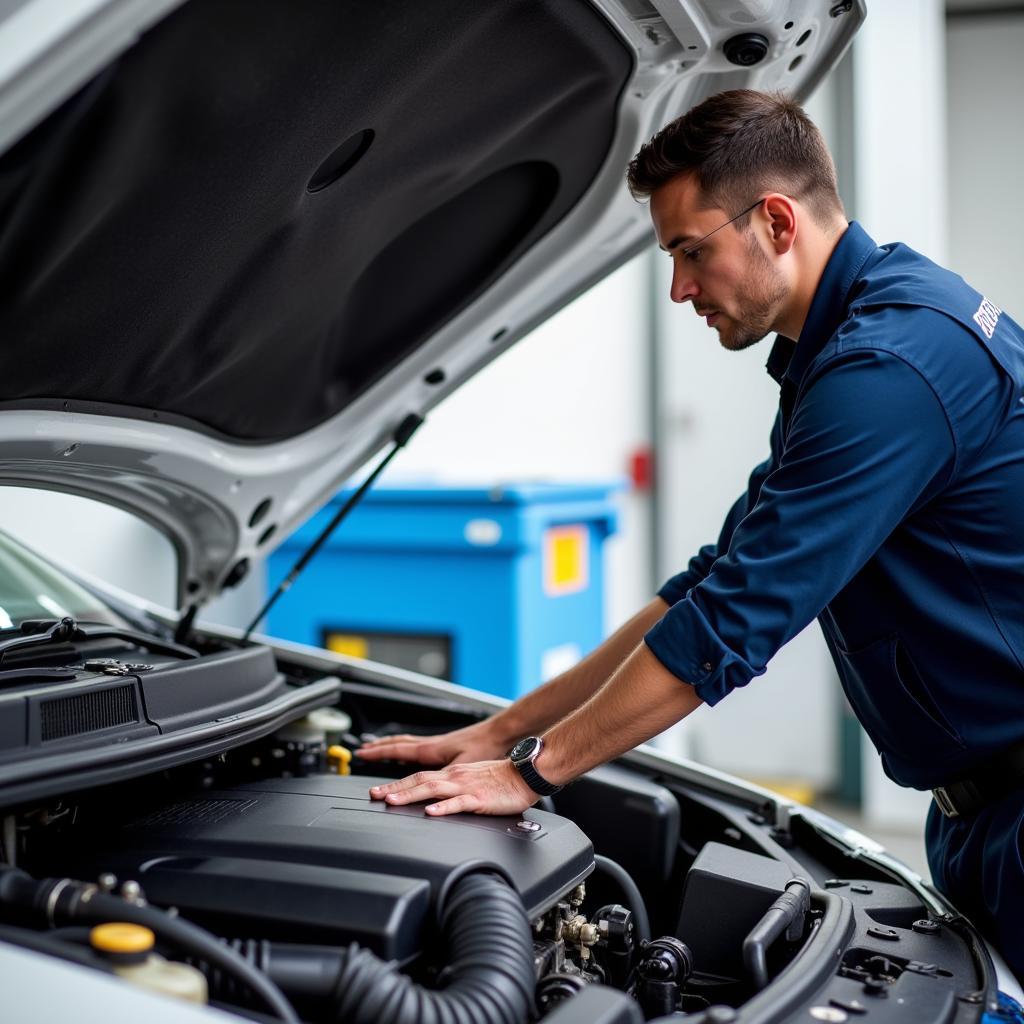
121,937
339,759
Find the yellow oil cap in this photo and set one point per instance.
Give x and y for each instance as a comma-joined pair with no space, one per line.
120,937
339,758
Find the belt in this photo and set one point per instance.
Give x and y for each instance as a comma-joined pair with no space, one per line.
988,782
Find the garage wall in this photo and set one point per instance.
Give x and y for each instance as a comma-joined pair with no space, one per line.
568,402
985,147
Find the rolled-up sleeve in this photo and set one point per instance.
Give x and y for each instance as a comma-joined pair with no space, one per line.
868,443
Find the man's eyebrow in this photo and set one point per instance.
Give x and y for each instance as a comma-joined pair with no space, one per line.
677,241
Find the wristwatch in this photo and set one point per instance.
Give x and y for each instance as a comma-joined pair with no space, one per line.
522,755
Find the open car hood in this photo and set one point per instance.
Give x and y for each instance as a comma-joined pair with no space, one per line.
242,240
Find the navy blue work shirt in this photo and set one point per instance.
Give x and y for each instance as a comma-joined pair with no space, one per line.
891,507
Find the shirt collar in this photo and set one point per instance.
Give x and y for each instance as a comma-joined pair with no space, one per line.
828,308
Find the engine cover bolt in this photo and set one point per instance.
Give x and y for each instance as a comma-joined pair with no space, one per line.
528,826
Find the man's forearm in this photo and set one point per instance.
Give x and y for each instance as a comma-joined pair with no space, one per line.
542,708
641,699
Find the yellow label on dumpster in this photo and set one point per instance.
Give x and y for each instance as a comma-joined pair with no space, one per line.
566,560
345,643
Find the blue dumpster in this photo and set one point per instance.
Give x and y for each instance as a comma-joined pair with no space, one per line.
498,588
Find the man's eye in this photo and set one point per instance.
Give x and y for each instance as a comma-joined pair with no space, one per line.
693,254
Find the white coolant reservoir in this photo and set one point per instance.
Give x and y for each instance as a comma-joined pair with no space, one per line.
325,725
129,950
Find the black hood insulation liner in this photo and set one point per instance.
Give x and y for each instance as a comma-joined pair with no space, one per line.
262,207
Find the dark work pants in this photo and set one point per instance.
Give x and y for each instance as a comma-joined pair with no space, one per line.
978,862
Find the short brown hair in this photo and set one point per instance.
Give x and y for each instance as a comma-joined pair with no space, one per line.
740,143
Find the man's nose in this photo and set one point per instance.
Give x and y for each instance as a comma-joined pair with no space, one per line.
684,288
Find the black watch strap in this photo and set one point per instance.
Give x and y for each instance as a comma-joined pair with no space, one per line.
529,773
535,780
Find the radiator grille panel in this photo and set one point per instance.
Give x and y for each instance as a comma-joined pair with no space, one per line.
87,712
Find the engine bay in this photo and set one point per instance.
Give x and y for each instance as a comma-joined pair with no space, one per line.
264,869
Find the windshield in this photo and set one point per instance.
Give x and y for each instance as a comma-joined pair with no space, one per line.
31,588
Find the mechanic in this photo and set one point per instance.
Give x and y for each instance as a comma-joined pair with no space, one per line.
891,507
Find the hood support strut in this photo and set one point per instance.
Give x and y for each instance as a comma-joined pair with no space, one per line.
403,433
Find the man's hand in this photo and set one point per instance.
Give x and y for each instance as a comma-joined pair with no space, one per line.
475,742
482,787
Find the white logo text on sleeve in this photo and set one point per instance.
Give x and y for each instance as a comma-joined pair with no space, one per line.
987,317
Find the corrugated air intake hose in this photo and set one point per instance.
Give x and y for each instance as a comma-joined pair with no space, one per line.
489,977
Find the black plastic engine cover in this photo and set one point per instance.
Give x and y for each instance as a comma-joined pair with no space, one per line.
316,860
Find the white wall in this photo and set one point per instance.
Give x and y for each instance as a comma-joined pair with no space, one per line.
568,402
900,125
985,147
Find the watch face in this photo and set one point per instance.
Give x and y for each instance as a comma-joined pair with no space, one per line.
524,749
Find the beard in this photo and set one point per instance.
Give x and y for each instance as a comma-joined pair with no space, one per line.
757,301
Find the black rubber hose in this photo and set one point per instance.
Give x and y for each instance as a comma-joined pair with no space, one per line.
641,922
307,975
489,977
58,902
788,910
186,937
45,942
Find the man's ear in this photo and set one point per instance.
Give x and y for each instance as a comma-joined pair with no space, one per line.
781,219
